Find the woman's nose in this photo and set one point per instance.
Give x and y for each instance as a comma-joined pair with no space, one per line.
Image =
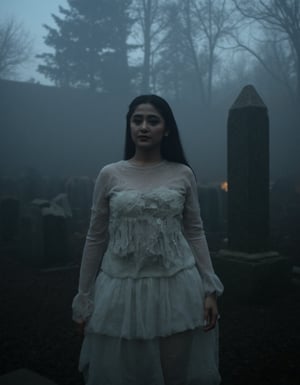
144,125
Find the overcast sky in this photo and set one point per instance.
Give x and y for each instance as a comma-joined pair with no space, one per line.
32,14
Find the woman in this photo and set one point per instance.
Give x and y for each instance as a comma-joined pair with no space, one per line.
147,288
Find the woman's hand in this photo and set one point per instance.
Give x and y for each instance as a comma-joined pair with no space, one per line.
211,313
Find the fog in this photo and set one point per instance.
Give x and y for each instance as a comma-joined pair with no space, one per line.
66,81
200,105
37,132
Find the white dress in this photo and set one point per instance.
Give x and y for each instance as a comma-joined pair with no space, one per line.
144,275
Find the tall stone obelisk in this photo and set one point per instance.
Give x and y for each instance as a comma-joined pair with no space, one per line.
248,173
248,269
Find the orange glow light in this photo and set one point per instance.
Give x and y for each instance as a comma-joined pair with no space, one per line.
224,186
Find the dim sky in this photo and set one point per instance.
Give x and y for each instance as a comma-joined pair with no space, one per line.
32,14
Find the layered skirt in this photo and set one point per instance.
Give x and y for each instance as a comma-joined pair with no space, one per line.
149,331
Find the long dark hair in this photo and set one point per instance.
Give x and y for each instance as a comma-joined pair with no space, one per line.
171,147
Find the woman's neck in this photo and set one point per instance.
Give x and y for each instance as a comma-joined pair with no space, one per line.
146,158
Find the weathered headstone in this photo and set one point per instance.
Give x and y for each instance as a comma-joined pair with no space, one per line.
285,214
63,201
31,186
56,235
248,268
80,191
44,234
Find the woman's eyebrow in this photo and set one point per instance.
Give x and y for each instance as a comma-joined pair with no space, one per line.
148,116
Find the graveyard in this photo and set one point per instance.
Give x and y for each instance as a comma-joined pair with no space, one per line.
259,343
252,228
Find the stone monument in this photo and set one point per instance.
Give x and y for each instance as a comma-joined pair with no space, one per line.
248,268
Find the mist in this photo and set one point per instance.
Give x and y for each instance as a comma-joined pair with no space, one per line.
67,77
200,101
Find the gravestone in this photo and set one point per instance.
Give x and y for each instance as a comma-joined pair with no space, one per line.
80,191
285,214
31,186
249,270
56,235
44,234
62,201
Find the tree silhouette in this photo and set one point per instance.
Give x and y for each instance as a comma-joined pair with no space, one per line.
15,47
90,46
281,18
196,29
149,24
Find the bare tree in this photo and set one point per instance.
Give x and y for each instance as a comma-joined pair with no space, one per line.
216,23
149,19
281,18
196,29
15,47
207,25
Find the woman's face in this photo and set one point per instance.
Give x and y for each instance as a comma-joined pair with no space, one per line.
147,127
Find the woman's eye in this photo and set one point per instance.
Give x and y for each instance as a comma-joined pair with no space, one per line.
137,121
153,122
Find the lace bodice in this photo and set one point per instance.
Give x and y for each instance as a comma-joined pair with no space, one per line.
145,234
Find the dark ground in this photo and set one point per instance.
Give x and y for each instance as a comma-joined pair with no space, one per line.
259,344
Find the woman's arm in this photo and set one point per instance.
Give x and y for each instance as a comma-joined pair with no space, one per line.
94,249
194,233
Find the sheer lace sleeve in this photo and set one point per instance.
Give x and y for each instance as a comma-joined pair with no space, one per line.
95,246
194,233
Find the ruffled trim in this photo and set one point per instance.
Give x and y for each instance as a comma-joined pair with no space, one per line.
212,284
145,228
143,245
127,237
147,307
